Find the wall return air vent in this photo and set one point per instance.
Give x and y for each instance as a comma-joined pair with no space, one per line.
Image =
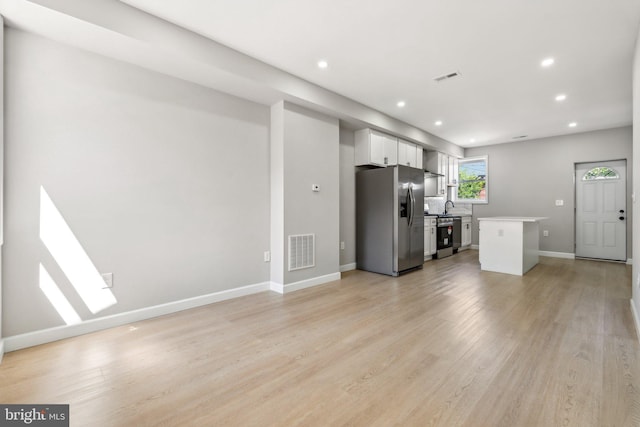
302,253
447,76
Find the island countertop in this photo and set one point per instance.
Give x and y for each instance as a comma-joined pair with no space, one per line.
514,218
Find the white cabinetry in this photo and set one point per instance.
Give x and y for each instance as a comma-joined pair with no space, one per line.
430,240
466,231
434,237
452,172
437,163
409,154
444,165
375,148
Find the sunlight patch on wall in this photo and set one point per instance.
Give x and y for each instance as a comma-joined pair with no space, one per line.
57,298
71,257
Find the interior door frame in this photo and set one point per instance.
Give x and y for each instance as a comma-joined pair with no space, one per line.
627,206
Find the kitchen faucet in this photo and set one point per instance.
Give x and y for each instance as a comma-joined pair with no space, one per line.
445,206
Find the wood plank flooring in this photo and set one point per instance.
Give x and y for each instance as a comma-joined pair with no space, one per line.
445,346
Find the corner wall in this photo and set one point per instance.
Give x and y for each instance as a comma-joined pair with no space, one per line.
304,152
347,200
526,178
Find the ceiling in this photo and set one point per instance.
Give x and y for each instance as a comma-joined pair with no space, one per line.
381,52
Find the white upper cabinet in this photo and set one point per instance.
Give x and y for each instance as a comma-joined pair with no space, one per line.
375,148
437,163
409,154
452,172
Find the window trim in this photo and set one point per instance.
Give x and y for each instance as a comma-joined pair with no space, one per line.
484,158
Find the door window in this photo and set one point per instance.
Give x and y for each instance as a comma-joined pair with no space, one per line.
600,173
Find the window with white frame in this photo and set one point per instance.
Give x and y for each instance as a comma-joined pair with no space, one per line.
473,182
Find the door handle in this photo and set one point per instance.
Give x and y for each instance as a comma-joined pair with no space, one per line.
413,204
621,218
409,206
621,210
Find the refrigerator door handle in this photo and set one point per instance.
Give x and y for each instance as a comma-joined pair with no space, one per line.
412,203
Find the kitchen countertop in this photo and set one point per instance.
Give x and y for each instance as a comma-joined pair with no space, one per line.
514,218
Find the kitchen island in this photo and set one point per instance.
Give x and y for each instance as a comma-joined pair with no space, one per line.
509,244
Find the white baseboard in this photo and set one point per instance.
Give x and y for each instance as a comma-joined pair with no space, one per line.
636,320
296,286
565,255
629,261
347,267
1,349
476,247
30,339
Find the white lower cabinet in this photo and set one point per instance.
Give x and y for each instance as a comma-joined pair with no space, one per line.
466,231
430,240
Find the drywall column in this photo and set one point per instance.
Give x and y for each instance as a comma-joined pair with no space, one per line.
635,285
304,154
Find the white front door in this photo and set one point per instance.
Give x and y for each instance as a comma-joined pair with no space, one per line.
601,211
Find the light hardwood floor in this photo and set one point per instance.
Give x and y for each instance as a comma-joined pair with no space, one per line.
445,346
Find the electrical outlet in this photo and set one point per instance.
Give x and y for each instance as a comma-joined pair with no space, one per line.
267,256
342,246
559,202
545,233
108,280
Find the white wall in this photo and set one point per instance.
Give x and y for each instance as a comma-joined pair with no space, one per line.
635,301
163,182
309,145
526,178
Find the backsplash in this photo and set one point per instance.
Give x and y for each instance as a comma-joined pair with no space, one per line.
436,206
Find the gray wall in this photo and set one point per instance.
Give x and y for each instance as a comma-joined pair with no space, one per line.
347,197
525,179
309,145
636,180
163,182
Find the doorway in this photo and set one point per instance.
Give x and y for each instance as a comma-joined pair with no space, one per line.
601,211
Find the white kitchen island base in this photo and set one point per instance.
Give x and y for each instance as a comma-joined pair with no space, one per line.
509,244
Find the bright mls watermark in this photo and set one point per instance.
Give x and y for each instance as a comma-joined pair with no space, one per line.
34,415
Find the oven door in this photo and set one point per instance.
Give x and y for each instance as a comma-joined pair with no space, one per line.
445,236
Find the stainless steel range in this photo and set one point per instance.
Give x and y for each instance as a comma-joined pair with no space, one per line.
444,235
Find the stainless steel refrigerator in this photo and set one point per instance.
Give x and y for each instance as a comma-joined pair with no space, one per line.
390,219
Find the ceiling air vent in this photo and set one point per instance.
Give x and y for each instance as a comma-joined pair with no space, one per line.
446,76
520,137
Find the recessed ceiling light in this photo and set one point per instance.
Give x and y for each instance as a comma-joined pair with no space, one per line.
573,124
438,123
401,104
472,140
547,62
561,97
323,64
